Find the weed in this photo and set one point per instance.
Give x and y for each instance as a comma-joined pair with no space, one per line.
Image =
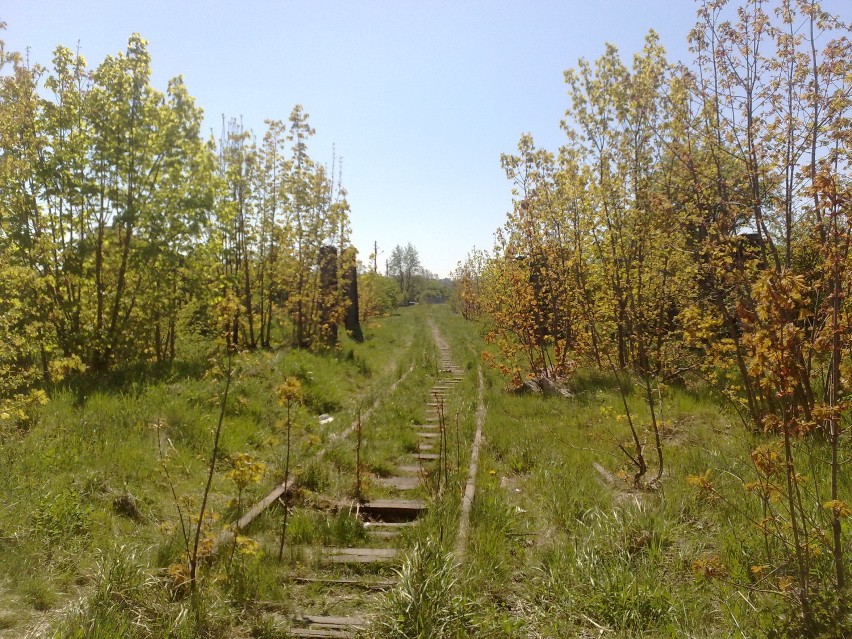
343,529
521,459
312,527
427,602
9,620
248,576
314,477
358,362
38,592
382,467
62,516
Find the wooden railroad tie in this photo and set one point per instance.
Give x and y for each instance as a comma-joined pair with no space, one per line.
359,555
399,483
427,456
365,584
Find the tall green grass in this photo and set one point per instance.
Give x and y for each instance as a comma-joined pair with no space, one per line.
427,602
94,448
582,553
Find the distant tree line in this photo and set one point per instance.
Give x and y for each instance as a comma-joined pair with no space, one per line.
405,282
415,283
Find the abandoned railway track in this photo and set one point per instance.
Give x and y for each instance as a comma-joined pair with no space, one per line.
334,585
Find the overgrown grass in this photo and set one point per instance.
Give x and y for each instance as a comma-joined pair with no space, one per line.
427,602
581,552
561,544
99,467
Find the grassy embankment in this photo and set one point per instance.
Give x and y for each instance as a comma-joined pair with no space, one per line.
561,548
557,547
90,493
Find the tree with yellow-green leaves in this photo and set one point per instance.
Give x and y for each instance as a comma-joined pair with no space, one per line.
316,221
281,221
698,219
119,230
378,295
528,293
772,94
468,279
106,189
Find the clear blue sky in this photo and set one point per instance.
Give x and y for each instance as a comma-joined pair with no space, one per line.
419,98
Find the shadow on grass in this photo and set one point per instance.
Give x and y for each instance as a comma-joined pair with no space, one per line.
588,381
131,379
